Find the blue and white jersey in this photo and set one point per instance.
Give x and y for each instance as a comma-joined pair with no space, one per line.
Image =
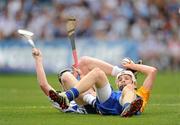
112,105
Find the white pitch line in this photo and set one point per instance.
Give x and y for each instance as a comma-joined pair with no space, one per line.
50,107
27,107
176,104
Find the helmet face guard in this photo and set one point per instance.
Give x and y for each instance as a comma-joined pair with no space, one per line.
126,72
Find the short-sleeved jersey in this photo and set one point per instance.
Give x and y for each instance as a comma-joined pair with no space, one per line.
144,94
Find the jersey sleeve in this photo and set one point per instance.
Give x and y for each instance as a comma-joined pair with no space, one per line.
144,94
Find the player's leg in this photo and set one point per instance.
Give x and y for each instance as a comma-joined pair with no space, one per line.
68,81
95,77
86,64
128,94
130,101
87,99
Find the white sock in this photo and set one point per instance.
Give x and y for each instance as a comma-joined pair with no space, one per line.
88,98
116,70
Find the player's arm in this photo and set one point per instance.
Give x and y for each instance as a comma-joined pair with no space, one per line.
149,71
41,76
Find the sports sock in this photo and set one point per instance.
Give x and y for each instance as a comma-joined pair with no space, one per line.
72,94
90,99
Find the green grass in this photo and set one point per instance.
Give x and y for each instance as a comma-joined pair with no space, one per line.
22,103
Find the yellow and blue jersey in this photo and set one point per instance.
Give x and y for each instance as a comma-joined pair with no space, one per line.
144,94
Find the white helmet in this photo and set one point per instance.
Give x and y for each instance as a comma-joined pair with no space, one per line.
126,72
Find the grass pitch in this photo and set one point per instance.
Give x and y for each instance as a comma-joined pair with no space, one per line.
23,103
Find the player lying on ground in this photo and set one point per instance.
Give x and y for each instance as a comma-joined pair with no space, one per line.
86,64
126,102
68,81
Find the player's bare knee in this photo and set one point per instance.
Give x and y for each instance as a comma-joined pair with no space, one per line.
99,75
84,61
84,64
65,77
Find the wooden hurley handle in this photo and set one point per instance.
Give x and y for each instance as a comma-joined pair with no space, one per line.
71,25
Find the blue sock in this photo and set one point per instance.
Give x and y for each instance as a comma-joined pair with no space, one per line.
126,104
72,94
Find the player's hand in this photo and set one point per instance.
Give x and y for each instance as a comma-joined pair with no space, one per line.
127,63
36,53
77,71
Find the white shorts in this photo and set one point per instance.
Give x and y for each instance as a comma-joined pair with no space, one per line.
104,93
